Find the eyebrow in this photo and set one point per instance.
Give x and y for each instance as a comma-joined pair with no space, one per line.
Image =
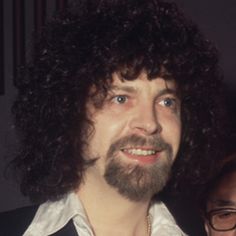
130,89
223,202
168,91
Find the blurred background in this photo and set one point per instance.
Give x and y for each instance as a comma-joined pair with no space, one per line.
18,18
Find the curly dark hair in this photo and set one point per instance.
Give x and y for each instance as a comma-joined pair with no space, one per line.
82,47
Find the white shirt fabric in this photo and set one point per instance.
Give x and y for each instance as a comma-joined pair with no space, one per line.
52,216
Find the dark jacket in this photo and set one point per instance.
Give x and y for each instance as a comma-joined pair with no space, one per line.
15,223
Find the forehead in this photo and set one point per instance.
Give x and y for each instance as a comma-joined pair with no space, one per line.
142,82
225,192
227,184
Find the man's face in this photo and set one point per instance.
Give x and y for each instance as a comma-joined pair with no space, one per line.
224,197
136,136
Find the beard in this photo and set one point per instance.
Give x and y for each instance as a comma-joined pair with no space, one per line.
138,182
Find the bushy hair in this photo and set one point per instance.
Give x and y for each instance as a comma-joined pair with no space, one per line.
82,47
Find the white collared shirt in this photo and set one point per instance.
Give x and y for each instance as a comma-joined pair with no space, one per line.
52,216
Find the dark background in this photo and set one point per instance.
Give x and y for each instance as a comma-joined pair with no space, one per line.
217,19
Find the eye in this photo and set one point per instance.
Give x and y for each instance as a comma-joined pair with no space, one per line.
168,102
226,215
120,99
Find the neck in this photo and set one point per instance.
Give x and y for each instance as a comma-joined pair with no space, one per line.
110,213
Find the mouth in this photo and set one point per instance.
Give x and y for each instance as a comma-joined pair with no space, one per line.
140,152
142,155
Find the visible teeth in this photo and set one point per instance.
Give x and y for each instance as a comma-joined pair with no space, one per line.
141,152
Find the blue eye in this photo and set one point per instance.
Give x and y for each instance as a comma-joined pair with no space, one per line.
120,99
168,102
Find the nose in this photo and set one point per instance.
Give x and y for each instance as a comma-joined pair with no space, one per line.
145,120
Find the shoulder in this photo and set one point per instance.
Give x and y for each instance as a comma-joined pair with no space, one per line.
15,222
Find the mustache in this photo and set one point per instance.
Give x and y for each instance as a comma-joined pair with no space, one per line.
134,140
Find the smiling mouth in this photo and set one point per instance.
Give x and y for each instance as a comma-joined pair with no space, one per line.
142,155
140,152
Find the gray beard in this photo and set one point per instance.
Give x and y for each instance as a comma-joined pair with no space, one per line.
133,181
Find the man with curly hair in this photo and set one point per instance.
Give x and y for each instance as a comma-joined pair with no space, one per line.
120,97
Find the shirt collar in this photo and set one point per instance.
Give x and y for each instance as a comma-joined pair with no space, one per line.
163,223
54,215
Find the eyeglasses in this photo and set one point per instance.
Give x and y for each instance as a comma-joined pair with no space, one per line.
223,219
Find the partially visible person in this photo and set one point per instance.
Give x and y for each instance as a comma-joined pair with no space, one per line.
219,201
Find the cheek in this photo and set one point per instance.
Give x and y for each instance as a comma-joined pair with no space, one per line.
211,232
171,128
107,129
